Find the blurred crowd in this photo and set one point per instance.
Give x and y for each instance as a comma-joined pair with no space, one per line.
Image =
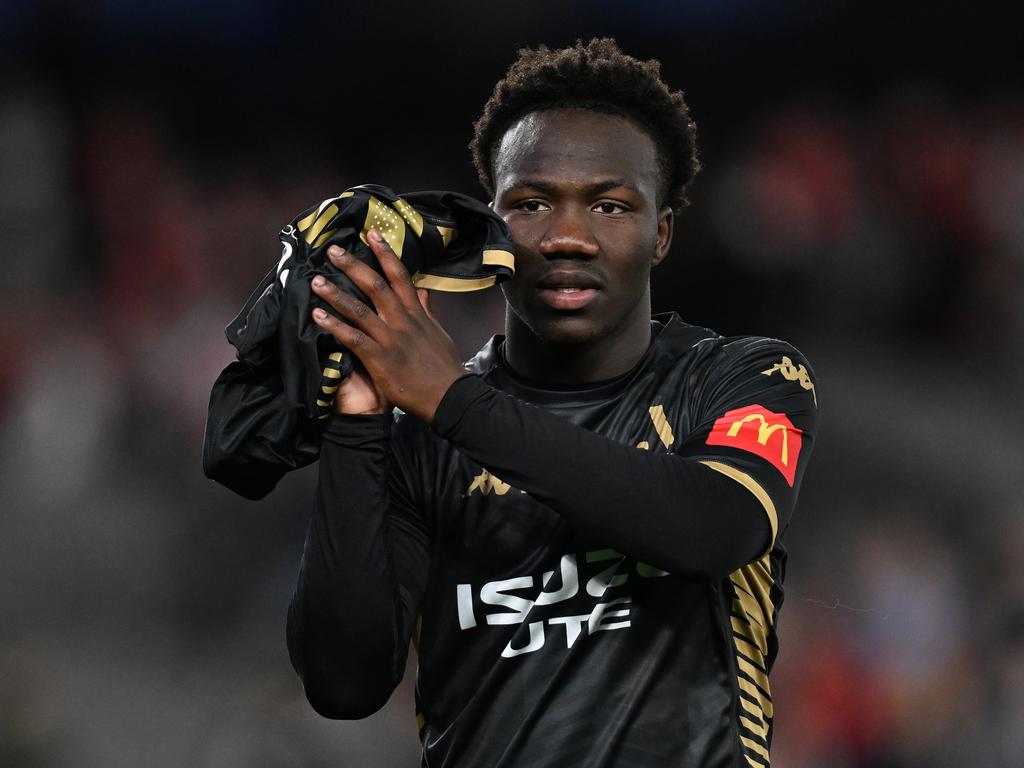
144,606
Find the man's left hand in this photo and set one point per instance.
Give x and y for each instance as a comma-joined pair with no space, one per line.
402,346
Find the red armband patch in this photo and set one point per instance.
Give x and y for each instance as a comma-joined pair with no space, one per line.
764,433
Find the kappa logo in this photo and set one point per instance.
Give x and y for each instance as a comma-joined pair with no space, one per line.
487,483
767,434
797,373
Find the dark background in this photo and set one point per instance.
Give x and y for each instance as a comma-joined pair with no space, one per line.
861,198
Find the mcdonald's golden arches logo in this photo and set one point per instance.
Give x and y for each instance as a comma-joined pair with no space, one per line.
764,433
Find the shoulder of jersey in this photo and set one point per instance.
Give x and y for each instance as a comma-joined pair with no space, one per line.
737,347
678,337
776,359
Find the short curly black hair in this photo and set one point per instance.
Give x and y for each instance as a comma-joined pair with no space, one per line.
596,75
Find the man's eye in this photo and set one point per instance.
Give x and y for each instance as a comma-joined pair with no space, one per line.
609,207
532,206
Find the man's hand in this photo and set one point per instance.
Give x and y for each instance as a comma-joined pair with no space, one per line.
410,359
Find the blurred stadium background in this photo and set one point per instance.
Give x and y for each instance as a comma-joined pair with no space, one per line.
862,198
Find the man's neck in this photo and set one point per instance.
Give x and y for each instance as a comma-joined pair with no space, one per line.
610,356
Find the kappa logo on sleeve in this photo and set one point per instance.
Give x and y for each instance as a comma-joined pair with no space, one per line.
764,433
797,373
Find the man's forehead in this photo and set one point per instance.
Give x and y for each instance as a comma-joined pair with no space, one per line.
573,145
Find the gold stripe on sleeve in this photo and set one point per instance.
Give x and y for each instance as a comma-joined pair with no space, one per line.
752,712
755,674
753,614
753,746
754,726
757,695
755,488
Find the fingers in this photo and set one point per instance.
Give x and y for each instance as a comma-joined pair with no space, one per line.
354,339
396,299
368,280
424,298
394,269
347,305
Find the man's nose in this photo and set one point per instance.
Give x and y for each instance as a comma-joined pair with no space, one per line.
569,235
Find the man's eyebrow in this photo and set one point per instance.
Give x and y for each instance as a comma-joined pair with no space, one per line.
597,187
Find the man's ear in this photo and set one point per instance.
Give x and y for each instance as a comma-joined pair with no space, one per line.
664,237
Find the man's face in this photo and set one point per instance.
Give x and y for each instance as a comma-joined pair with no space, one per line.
578,190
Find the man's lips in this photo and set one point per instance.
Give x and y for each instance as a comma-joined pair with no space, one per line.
568,289
568,298
568,278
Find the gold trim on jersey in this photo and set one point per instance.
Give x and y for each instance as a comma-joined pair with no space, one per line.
755,488
496,257
661,425
452,284
752,616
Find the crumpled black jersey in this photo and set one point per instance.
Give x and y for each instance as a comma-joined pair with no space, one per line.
265,407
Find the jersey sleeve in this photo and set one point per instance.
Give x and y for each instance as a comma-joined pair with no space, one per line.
694,520
755,415
363,571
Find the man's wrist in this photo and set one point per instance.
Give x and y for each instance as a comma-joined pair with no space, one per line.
352,430
459,397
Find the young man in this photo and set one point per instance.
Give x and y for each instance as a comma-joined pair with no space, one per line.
582,534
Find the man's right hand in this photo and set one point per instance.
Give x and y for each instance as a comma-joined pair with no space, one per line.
357,395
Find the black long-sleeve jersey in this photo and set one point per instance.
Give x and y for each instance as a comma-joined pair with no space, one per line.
592,576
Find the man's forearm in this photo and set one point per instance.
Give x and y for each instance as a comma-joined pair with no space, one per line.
672,512
347,629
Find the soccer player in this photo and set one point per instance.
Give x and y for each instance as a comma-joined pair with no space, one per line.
582,529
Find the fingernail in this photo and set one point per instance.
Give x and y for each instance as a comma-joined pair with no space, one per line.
319,314
376,236
319,281
335,251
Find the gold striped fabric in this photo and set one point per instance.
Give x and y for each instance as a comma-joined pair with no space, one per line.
392,221
328,385
661,425
752,615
